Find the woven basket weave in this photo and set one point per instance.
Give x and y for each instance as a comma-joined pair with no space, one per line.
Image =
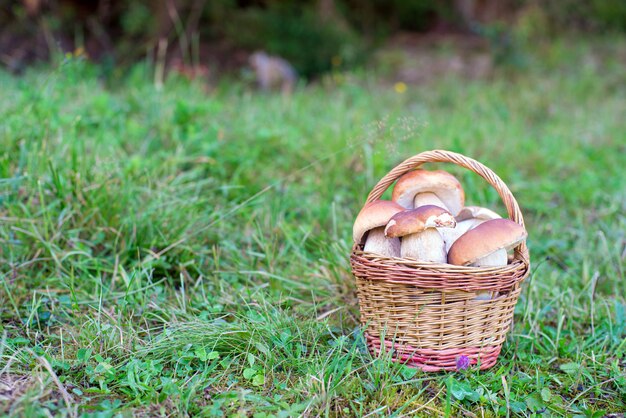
426,312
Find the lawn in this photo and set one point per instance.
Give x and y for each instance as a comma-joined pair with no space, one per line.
185,250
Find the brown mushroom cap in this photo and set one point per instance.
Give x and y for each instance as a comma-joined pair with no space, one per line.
476,212
486,238
441,183
373,215
416,220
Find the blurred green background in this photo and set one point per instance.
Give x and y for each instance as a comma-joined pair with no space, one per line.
316,36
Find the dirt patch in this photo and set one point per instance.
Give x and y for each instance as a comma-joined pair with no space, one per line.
18,391
13,386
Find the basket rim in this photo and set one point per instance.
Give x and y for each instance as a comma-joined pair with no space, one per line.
440,277
427,265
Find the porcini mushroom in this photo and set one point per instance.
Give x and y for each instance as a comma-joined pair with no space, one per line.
468,218
420,238
373,218
476,212
422,187
487,244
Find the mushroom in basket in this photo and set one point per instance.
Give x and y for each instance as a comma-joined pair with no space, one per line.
422,187
373,218
468,218
418,229
486,245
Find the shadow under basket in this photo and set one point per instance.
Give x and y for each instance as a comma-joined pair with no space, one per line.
427,314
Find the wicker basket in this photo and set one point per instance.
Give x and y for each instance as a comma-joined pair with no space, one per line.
426,312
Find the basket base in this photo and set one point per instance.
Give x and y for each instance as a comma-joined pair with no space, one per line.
430,360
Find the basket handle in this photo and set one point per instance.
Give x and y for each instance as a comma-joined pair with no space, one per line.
441,156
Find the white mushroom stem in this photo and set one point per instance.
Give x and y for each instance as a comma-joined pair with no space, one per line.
378,243
486,295
423,199
427,245
495,259
450,235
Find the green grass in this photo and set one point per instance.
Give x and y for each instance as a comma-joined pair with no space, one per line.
185,251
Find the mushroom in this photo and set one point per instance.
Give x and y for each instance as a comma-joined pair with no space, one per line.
373,218
420,238
486,245
476,212
421,187
468,218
